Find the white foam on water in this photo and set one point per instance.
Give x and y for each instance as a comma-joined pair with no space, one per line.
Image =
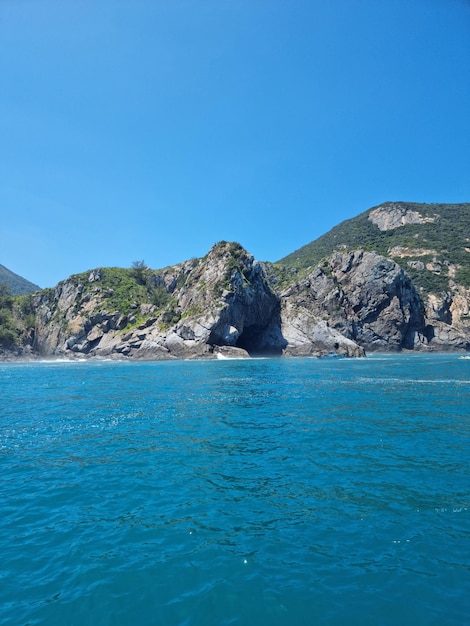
413,381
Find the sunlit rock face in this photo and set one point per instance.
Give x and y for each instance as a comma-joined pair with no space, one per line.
221,300
366,297
393,215
227,305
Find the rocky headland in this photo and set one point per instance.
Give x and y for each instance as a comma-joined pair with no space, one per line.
227,304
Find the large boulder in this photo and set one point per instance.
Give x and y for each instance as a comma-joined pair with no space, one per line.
307,335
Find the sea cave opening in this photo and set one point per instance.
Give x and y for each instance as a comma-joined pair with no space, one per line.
255,342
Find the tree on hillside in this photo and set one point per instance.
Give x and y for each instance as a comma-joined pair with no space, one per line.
8,334
138,271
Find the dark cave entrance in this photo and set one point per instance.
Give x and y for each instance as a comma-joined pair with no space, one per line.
254,341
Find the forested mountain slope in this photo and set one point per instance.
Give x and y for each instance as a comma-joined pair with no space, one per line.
430,241
16,284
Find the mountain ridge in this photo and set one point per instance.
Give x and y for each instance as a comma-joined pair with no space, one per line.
16,284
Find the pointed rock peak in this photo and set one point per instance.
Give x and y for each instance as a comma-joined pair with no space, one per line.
227,248
230,255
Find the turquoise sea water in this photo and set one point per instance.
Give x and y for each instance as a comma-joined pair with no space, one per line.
284,491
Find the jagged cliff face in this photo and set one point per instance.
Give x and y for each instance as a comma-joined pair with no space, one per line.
448,318
217,305
222,305
365,297
228,304
441,267
431,245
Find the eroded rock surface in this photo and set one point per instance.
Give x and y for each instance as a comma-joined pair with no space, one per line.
228,305
366,297
394,215
221,300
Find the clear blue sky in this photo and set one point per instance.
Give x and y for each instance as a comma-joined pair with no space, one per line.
150,130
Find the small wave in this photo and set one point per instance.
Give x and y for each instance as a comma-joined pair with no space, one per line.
61,361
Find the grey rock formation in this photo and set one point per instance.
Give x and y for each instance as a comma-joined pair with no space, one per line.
306,335
366,297
223,300
448,319
227,305
230,303
394,215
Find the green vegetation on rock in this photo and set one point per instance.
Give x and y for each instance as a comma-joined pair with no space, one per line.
122,289
444,232
8,330
17,317
463,276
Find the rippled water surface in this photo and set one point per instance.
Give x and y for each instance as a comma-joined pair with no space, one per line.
290,491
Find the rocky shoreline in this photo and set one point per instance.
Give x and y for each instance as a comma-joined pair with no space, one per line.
229,305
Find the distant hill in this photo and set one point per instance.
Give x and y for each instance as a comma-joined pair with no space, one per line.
430,241
16,284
